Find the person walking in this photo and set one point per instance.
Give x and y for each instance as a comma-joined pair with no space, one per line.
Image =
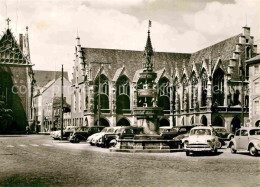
27,129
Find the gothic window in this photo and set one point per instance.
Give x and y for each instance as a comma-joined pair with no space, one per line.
236,98
218,88
164,94
104,93
184,92
79,103
194,82
204,87
122,94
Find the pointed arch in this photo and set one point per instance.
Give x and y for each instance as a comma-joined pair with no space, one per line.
104,93
123,122
164,93
122,94
204,87
164,122
235,124
204,120
103,122
218,121
218,87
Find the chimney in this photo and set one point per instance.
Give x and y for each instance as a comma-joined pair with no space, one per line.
21,41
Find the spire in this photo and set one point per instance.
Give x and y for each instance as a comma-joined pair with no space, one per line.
148,53
26,47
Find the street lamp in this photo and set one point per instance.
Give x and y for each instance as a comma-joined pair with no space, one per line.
99,112
242,76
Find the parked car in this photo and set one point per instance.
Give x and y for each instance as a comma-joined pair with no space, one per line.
55,134
93,139
125,132
170,132
246,139
201,138
82,133
223,133
66,132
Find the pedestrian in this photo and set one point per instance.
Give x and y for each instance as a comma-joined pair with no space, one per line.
27,129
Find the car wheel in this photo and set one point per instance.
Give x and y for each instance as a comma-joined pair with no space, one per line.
76,140
252,151
232,149
187,153
219,145
231,137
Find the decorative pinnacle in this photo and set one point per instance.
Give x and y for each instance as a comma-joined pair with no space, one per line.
148,52
8,20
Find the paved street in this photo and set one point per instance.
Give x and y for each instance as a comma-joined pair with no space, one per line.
37,160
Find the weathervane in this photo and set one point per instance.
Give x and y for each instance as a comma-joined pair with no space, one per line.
8,20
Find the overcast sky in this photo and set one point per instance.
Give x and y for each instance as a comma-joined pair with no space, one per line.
177,25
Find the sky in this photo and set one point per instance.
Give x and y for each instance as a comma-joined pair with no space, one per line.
177,25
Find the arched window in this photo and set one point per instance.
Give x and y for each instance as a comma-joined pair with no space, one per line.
192,120
104,93
204,120
122,95
164,94
218,88
185,95
204,88
236,98
194,82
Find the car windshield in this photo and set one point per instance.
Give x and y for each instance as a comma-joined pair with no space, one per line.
168,130
200,132
112,130
254,132
220,130
105,129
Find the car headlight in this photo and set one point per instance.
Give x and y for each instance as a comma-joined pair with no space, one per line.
186,142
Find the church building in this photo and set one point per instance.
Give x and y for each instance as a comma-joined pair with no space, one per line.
16,81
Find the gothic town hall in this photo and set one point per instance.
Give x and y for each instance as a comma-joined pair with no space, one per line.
140,88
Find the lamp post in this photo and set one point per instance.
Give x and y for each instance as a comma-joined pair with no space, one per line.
100,64
62,102
242,76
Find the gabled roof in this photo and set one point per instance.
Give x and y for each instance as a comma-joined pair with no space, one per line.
43,77
132,60
10,51
222,50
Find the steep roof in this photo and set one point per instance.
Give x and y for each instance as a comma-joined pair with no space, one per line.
10,51
223,50
132,60
43,77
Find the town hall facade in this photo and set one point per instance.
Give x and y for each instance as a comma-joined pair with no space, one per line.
207,87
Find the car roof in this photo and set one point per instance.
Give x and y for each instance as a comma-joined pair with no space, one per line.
249,128
217,127
202,127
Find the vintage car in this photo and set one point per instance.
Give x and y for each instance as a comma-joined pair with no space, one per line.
93,139
124,132
55,134
66,132
82,133
223,133
170,132
201,138
246,139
